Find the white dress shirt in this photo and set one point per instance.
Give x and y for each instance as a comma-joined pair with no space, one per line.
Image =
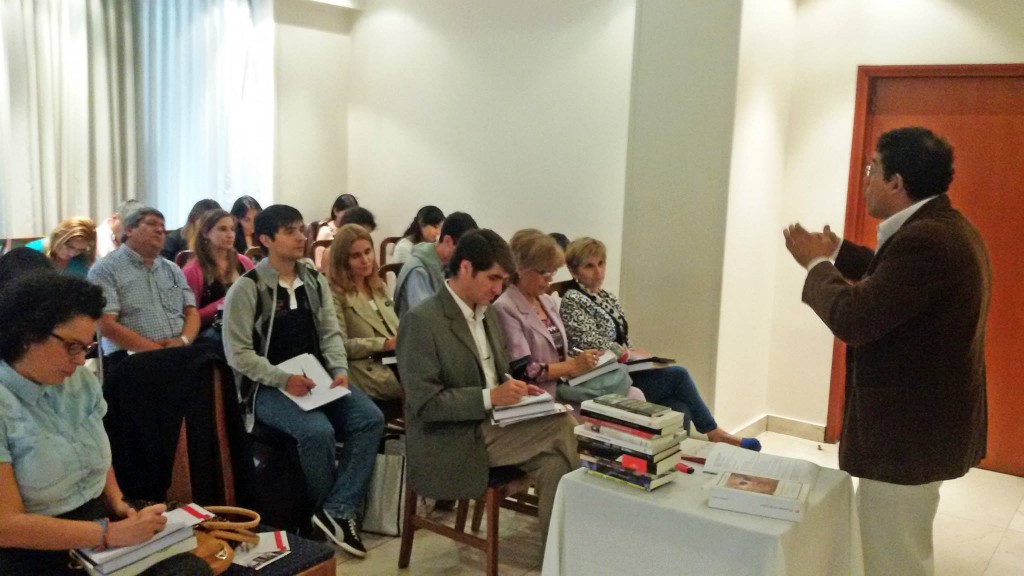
475,321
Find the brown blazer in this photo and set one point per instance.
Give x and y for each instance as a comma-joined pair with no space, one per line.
443,380
913,318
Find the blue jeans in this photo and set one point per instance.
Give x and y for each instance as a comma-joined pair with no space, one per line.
673,387
354,420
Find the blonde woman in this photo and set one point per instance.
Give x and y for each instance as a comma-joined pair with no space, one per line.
366,315
71,247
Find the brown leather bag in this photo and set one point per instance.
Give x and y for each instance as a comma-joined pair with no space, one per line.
231,524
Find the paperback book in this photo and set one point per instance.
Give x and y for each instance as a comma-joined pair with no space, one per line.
760,495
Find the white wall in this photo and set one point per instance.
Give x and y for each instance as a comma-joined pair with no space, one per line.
833,37
754,208
313,48
681,127
515,112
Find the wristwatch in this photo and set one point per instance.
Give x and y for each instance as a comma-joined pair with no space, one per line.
185,339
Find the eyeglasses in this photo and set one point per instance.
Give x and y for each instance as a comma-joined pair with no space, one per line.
74,347
545,274
868,170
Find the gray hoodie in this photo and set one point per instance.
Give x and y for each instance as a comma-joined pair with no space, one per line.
247,337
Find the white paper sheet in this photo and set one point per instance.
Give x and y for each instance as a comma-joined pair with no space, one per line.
307,365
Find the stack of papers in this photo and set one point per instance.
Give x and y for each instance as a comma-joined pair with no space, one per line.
528,408
176,537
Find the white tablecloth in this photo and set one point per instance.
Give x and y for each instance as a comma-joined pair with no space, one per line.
602,527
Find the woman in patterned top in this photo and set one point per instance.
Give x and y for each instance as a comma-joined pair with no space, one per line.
594,319
57,488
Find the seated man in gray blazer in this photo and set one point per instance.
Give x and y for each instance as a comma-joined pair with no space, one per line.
451,354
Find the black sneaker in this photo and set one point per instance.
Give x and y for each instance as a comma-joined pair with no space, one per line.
342,532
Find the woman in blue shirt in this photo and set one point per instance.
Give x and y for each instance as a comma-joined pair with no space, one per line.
57,488
71,247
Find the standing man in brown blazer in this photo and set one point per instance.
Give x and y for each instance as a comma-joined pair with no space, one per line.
912,316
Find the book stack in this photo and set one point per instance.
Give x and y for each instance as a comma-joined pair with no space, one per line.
176,537
628,440
528,408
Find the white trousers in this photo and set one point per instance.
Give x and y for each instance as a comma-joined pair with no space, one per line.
896,527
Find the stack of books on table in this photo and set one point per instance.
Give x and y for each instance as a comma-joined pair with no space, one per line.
628,440
176,537
528,408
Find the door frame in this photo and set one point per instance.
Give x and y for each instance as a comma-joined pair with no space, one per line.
866,77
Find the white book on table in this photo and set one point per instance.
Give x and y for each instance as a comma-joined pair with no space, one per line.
760,495
307,365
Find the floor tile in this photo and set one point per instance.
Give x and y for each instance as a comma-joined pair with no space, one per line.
964,547
983,496
1009,557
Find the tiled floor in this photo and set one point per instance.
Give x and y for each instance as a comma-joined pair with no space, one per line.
979,529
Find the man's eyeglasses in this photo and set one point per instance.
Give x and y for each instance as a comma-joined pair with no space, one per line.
74,347
868,170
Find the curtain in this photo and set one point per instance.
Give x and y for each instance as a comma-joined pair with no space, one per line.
67,142
205,102
164,101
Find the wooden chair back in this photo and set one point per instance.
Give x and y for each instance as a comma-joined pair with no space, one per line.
312,229
183,257
559,287
387,248
388,273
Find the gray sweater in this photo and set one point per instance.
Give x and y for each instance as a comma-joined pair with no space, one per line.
249,309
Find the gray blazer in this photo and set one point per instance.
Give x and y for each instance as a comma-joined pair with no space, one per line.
364,333
443,381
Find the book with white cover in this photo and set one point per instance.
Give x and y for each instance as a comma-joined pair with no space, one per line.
606,363
187,545
553,408
671,418
760,495
526,405
307,365
179,527
272,547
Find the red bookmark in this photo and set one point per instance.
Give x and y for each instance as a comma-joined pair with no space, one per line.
196,513
279,541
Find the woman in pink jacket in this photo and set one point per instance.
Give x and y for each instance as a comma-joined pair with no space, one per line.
214,268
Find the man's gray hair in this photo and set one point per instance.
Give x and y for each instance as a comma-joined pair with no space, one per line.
136,216
127,207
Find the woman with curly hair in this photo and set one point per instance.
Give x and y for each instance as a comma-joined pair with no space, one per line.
57,487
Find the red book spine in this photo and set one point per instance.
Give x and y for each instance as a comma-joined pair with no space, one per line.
619,427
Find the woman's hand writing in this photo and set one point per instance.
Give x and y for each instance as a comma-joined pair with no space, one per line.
137,527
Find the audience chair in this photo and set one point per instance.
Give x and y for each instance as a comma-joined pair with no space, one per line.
183,257
312,229
385,244
388,273
181,475
503,482
255,254
12,243
559,287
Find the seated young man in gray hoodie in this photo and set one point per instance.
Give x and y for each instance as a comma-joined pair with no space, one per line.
280,309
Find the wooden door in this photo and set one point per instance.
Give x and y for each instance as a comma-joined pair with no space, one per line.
980,111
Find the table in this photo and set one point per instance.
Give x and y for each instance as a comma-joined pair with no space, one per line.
599,526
